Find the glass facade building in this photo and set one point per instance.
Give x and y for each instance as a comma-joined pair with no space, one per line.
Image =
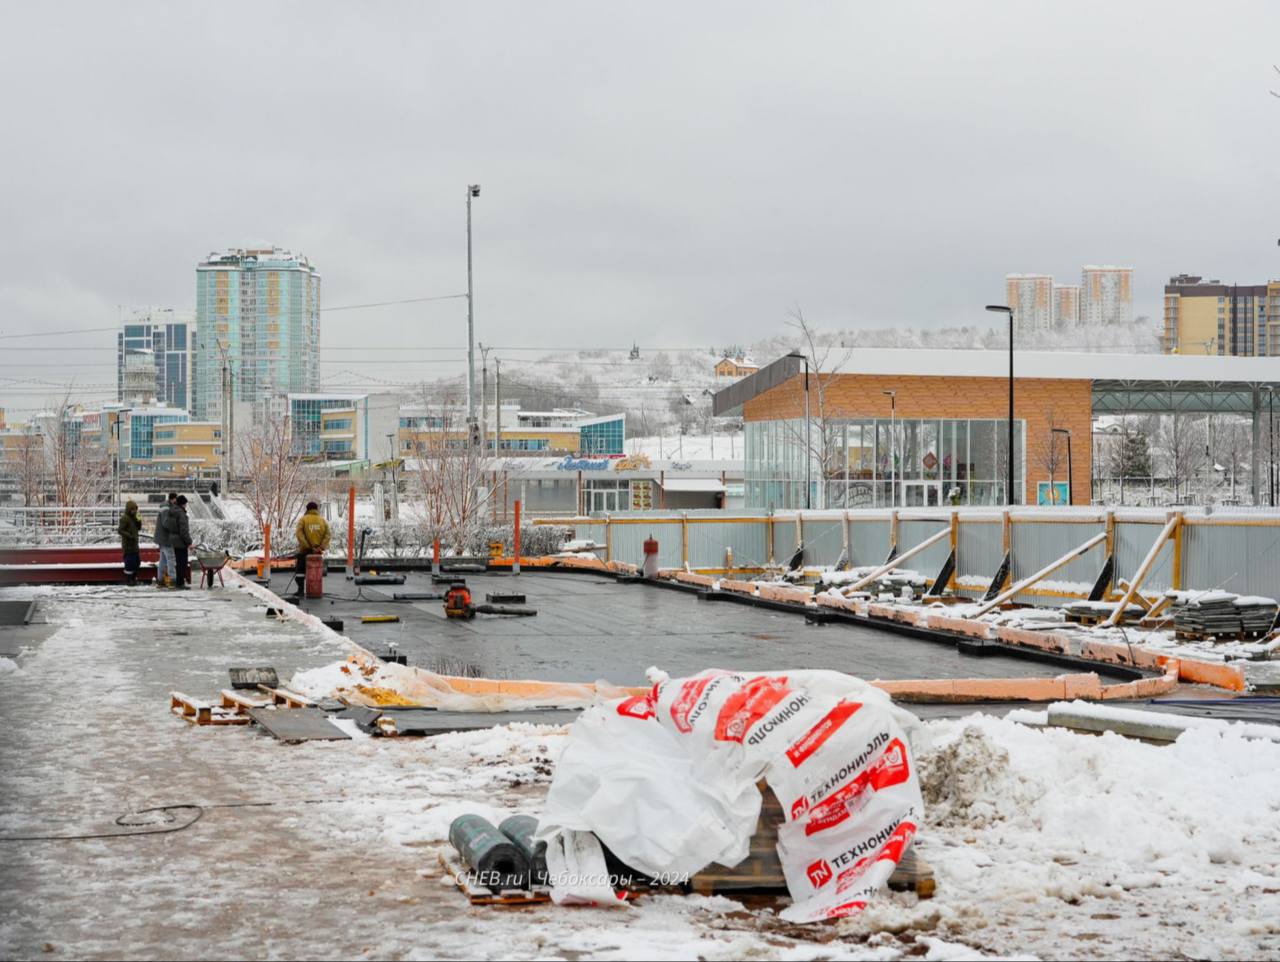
168,335
305,421
260,309
879,462
603,435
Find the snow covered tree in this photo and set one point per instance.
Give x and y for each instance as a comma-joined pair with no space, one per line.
1131,456
278,481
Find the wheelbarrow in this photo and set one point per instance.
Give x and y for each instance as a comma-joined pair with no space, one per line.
212,562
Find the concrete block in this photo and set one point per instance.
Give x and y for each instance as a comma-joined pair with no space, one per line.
741,587
690,578
1025,638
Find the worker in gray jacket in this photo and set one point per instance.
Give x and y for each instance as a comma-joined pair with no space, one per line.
167,569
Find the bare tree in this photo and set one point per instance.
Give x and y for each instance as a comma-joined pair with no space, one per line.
29,467
1049,450
1182,449
455,481
825,433
78,471
278,477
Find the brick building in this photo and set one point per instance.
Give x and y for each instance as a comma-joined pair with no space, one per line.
923,428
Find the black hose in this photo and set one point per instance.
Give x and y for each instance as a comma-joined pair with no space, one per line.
167,829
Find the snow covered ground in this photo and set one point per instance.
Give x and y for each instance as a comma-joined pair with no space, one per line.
1045,844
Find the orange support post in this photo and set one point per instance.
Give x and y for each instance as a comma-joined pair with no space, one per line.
351,529
266,552
515,566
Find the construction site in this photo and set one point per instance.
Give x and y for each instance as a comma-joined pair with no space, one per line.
372,760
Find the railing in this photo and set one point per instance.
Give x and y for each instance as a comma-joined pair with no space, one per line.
1234,549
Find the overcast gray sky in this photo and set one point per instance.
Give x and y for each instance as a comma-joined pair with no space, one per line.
679,174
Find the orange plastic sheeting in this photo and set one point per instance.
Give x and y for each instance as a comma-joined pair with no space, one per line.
1210,673
623,567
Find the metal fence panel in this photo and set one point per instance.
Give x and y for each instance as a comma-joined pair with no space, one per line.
1036,545
1234,557
709,539
869,542
980,550
1133,541
911,532
823,541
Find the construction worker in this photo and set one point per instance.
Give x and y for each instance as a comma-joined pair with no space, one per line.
130,528
179,528
168,567
313,538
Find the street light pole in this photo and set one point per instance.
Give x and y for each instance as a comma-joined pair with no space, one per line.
1070,480
1008,491
473,190
893,447
1271,436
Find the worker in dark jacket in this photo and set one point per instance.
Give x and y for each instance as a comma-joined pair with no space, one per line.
313,538
179,528
167,569
130,528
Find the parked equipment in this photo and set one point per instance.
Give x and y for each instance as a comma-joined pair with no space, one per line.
457,602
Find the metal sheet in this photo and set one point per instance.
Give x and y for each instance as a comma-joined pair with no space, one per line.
823,541
1037,545
980,549
1133,541
929,561
297,724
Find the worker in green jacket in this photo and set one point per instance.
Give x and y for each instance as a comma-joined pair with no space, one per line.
130,528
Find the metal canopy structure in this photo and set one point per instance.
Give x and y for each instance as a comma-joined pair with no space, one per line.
1146,396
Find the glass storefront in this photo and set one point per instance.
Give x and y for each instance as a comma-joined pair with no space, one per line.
879,462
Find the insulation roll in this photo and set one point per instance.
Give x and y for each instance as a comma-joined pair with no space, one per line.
497,861
520,829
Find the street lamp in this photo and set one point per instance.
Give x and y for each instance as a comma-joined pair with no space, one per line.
893,447
1070,481
1003,309
1271,435
473,190
808,450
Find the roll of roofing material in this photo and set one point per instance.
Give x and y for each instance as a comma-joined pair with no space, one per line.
497,861
520,829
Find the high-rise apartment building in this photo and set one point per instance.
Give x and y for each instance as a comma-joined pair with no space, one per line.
1209,317
1066,305
1106,295
1031,297
167,336
257,309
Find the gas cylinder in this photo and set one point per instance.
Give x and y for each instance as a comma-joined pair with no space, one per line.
650,567
315,575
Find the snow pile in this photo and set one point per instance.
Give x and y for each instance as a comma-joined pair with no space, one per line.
1058,844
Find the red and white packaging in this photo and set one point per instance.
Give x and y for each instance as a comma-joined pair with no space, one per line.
668,781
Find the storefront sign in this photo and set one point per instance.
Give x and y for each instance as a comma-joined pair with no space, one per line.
633,462
571,463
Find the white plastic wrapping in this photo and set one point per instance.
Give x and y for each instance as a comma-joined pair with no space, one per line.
668,782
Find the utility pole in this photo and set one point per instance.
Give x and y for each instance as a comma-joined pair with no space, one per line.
473,190
497,407
484,397
226,430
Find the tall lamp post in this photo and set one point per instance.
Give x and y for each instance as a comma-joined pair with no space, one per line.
1008,491
808,450
1070,480
473,190
893,447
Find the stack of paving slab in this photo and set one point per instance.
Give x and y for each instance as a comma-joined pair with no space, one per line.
1089,612
1221,614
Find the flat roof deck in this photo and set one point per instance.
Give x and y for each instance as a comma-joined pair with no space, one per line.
590,628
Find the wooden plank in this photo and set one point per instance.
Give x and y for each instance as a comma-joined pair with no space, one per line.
292,725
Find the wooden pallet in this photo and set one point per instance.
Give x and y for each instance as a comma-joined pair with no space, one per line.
761,871
203,713
480,895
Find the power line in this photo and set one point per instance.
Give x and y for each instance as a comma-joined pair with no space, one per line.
83,330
